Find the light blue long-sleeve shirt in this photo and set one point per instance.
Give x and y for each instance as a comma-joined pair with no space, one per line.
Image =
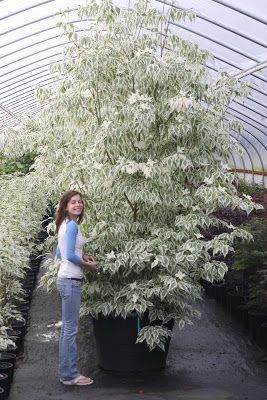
70,250
71,236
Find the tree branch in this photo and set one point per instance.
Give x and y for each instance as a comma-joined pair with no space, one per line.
133,207
110,159
165,36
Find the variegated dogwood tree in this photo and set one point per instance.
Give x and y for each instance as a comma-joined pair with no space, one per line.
137,124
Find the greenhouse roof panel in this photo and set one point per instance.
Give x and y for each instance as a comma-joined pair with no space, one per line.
233,31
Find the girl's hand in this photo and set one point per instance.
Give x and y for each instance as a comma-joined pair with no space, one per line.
89,258
89,263
92,266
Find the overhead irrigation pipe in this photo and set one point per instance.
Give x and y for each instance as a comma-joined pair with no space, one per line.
249,71
8,111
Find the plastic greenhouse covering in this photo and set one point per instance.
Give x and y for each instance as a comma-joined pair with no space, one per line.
233,31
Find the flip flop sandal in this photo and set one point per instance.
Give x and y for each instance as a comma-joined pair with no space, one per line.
80,380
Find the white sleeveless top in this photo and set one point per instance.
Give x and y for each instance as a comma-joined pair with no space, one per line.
67,268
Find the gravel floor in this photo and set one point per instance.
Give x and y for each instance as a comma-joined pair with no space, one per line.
211,360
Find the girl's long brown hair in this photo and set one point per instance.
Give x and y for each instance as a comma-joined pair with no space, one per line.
62,213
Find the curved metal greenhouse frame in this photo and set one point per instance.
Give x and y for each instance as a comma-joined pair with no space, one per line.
233,31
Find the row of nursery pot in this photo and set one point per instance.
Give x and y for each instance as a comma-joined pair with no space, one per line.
243,291
17,327
21,211
250,267
243,308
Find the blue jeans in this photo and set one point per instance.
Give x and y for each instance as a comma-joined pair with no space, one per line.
70,292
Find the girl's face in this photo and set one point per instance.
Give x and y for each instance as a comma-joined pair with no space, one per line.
75,207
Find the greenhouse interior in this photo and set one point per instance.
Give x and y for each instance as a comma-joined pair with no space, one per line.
135,132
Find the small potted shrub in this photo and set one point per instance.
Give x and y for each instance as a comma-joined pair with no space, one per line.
250,261
258,298
21,209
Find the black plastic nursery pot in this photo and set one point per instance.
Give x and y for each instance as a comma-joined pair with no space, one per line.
27,297
15,336
30,274
209,288
41,236
7,357
28,287
23,309
10,349
23,302
244,309
28,293
3,380
2,393
28,283
19,326
220,292
12,333
234,299
264,335
117,350
34,264
34,257
4,384
47,219
8,369
256,319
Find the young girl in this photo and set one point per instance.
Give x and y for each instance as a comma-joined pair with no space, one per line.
69,281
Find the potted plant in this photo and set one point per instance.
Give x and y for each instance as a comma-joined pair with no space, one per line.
6,368
136,124
257,316
250,261
21,208
152,185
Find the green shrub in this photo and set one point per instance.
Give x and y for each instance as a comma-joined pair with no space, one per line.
22,164
252,255
251,258
22,206
249,188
